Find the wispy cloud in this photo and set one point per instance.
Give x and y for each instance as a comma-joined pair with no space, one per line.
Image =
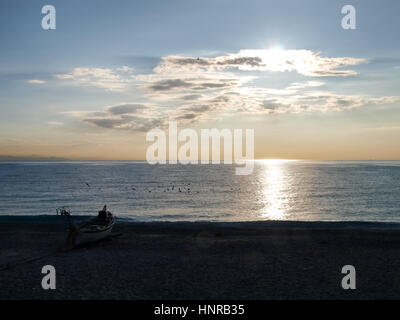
142,117
36,81
55,123
196,84
323,101
117,79
127,116
191,89
305,62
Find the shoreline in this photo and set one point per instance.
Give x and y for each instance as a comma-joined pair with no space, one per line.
316,224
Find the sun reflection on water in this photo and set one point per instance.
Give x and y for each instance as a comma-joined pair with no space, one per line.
274,190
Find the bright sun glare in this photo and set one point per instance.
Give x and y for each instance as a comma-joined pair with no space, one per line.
275,197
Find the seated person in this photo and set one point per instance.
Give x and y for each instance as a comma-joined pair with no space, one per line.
103,213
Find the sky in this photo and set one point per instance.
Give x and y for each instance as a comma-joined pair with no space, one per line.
113,70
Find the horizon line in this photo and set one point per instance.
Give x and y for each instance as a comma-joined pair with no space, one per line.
9,158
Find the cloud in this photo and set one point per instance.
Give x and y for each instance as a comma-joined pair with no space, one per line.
107,122
117,79
36,81
322,101
191,89
170,84
126,123
143,117
196,84
127,116
125,109
303,85
200,74
273,104
305,62
190,113
55,123
190,97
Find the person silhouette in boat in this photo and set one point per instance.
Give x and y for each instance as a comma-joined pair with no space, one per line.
103,213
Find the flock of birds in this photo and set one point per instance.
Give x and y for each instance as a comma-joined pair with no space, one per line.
171,187
185,188
182,189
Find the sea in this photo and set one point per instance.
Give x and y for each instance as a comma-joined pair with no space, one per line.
138,191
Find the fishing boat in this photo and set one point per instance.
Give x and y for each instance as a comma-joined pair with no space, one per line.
94,229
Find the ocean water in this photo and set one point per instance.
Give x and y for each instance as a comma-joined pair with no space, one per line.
277,190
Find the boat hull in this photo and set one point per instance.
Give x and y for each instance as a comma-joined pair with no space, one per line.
90,234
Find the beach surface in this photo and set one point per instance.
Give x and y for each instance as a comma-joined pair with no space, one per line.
186,260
